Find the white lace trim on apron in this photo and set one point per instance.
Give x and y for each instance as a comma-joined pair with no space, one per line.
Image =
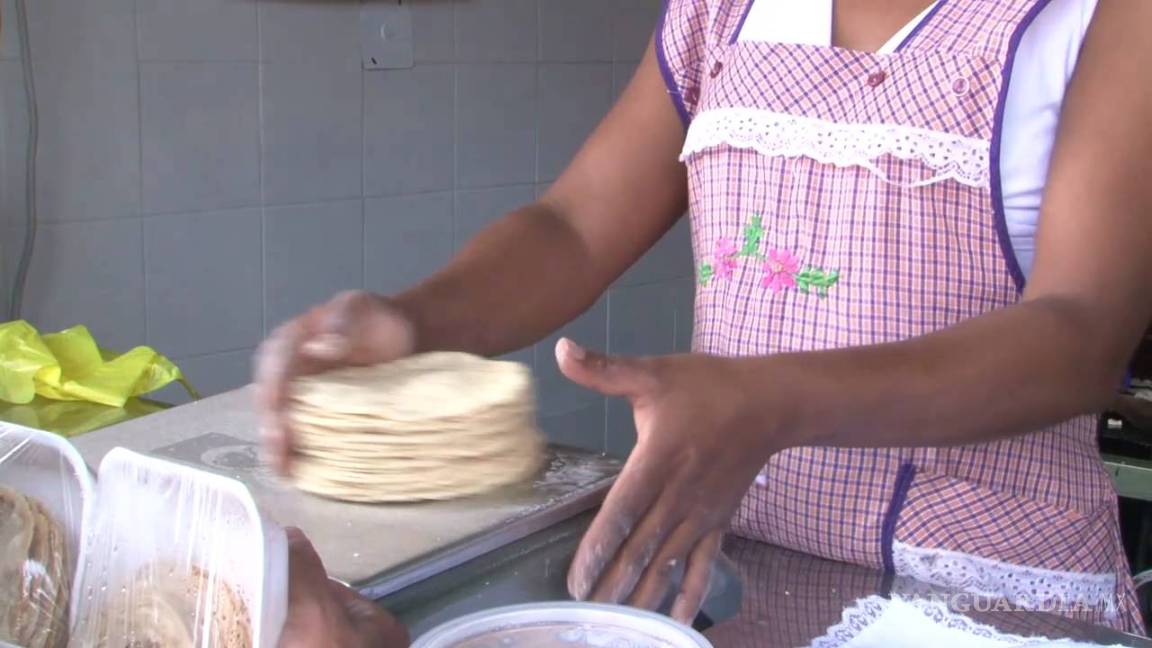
963,159
1029,588
903,623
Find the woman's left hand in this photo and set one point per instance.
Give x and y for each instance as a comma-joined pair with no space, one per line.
698,450
322,612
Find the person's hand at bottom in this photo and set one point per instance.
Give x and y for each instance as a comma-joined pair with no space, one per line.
322,612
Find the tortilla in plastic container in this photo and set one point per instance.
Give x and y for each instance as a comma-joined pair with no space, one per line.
44,491
180,558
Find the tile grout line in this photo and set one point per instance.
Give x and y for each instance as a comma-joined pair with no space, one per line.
212,354
260,168
140,185
538,70
219,210
608,350
455,141
363,167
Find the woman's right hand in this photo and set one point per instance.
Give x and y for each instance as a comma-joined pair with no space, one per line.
355,328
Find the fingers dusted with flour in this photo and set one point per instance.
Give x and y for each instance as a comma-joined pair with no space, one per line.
352,329
694,459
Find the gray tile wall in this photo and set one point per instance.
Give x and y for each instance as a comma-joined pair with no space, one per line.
209,168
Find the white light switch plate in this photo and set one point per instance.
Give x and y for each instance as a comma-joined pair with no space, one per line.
386,36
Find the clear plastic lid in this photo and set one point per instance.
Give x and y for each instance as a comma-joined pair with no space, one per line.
178,557
44,493
563,625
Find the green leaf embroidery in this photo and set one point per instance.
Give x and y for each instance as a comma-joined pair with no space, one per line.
705,273
753,232
810,279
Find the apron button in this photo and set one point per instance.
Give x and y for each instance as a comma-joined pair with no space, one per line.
691,95
961,86
876,78
716,67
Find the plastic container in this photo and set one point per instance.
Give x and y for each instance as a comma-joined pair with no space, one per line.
161,530
150,539
46,490
570,625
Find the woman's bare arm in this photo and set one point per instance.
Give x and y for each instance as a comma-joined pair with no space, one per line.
542,265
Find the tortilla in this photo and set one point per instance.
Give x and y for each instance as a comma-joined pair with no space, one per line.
16,531
165,606
444,384
432,426
34,573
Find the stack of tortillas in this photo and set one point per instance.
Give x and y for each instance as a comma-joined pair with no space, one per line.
170,606
432,426
34,573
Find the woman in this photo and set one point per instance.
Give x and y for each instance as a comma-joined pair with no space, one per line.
884,373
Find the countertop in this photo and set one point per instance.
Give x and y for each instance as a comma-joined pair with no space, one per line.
380,547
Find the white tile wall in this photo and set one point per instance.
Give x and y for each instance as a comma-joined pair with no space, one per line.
573,98
558,395
408,126
298,31
89,273
406,239
311,252
582,428
576,31
13,140
312,137
203,282
86,79
634,26
642,319
208,30
495,124
498,31
669,259
685,296
433,31
200,124
210,167
9,45
209,374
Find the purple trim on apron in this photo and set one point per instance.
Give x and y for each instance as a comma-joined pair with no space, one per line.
666,69
832,26
916,30
740,25
997,140
904,478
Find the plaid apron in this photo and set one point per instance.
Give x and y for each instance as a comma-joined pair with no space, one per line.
844,198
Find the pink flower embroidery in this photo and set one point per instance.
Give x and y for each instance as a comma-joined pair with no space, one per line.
724,258
780,268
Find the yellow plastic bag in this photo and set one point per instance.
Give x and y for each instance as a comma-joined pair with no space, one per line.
68,366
